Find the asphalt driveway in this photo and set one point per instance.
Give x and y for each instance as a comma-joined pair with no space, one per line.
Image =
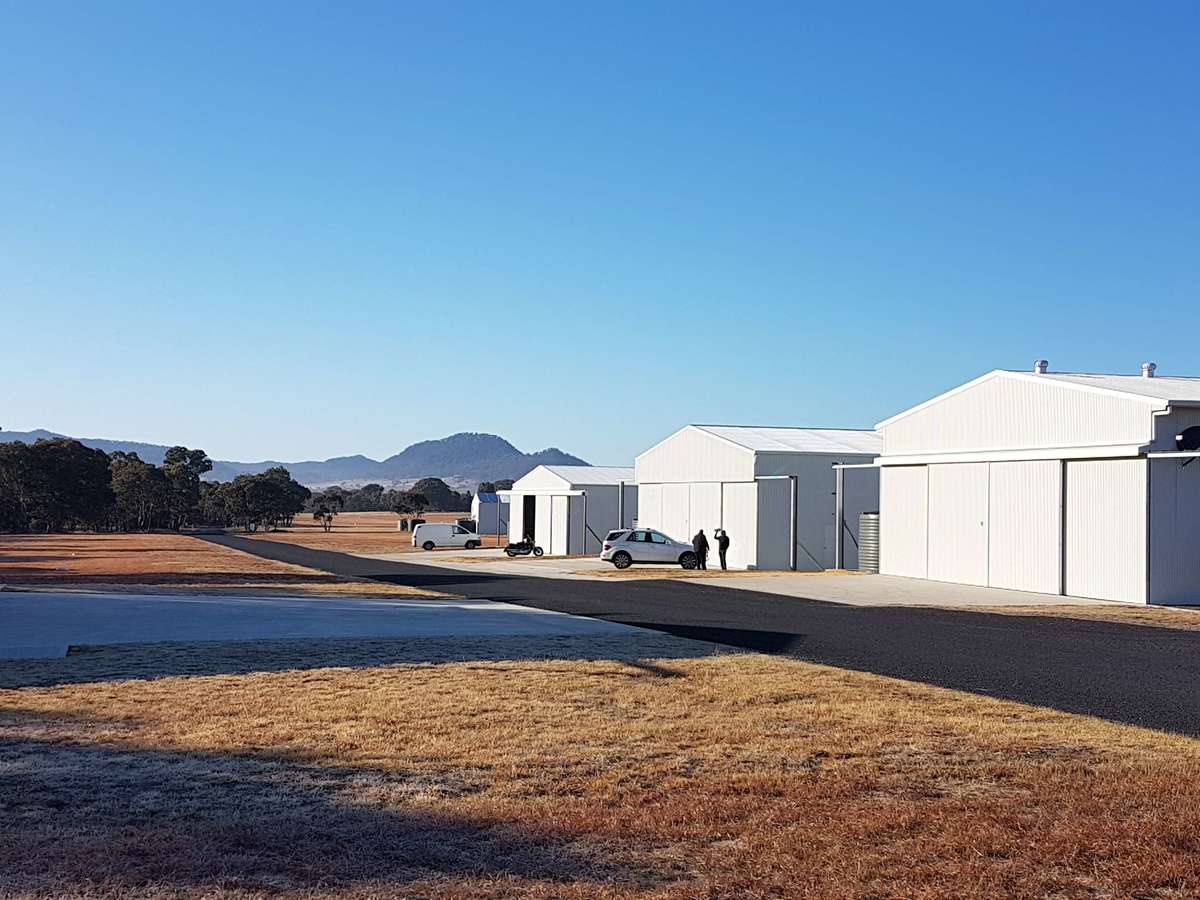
1127,673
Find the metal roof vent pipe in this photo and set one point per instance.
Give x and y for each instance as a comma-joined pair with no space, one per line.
1148,370
1040,366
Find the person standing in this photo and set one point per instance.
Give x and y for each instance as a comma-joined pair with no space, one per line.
722,545
700,546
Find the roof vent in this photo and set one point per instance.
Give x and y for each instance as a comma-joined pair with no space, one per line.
1040,366
1148,370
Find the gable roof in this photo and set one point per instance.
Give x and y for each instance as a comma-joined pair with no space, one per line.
1172,388
589,475
1159,391
761,439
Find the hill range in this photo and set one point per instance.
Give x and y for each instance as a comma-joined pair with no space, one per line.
461,460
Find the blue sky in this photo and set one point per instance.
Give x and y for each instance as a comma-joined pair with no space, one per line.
298,230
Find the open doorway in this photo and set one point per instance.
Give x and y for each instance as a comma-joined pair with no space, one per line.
529,517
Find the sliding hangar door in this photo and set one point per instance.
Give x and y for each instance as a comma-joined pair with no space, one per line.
1005,525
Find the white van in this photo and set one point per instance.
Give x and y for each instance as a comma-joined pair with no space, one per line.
428,535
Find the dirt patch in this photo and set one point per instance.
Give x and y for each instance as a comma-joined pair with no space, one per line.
371,532
165,562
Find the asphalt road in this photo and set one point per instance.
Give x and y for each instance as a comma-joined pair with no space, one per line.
1124,673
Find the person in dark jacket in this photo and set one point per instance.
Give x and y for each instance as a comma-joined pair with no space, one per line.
722,545
700,545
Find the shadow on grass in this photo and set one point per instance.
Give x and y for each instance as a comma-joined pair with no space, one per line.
124,662
82,818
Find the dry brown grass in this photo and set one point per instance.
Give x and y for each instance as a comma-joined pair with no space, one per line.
362,532
1184,618
728,776
161,563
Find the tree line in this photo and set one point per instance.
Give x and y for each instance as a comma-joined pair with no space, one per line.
61,485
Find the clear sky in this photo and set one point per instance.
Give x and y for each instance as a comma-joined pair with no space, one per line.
296,230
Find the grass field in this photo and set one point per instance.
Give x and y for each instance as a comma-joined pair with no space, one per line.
163,562
369,532
737,775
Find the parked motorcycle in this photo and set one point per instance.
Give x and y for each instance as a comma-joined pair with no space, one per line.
523,548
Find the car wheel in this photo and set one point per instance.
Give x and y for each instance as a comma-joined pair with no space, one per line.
687,560
538,551
622,560
471,545
428,545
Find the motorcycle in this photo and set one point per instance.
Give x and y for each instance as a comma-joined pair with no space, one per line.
523,548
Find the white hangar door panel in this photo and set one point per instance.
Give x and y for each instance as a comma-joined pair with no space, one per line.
543,526
676,506
903,520
958,523
560,527
705,509
739,518
1025,526
649,506
1106,529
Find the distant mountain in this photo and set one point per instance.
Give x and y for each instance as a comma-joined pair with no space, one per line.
460,459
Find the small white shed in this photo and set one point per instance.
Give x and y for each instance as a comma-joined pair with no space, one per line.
569,509
490,512
762,485
1051,482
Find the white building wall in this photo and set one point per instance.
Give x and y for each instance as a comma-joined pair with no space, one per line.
704,509
1018,413
676,505
559,525
543,526
516,518
694,455
1106,529
958,523
649,511
904,521
1025,526
739,517
1174,531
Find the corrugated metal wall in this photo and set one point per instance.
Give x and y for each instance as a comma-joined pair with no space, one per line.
1106,529
676,504
1025,526
559,528
1174,531
704,509
1006,413
958,523
691,455
543,526
903,521
739,517
516,518
774,526
649,512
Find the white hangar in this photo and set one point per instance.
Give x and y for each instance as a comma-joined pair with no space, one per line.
771,489
1052,482
490,512
569,509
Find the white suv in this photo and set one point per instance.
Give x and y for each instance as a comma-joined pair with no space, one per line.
626,546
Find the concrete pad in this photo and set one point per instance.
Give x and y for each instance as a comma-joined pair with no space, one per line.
52,620
891,590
